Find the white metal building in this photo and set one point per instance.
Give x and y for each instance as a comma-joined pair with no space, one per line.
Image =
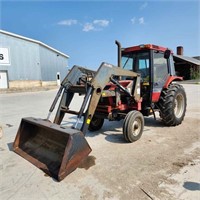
25,62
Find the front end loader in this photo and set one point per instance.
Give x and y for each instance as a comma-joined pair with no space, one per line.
59,150
143,83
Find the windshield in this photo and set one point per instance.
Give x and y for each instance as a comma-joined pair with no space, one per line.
137,62
127,61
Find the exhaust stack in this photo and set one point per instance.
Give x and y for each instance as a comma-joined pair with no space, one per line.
119,54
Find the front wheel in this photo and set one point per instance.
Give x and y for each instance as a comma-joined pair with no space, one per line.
96,124
172,105
133,126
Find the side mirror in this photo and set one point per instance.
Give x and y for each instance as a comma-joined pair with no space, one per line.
167,54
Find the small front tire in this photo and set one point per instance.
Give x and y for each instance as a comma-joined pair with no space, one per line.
96,124
133,126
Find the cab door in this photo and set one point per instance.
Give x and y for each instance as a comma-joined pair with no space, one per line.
160,74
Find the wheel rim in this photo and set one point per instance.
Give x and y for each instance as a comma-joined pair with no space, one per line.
179,105
136,128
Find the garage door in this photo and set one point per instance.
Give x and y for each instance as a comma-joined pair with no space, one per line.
3,80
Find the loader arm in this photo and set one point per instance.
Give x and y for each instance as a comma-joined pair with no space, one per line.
92,88
72,79
104,75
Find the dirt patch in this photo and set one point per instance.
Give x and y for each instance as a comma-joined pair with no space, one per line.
87,162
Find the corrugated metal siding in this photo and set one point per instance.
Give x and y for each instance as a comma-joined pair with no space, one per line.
24,56
32,61
51,63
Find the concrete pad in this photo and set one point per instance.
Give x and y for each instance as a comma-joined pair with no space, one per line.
163,164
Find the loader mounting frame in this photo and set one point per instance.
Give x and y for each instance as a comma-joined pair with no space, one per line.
92,84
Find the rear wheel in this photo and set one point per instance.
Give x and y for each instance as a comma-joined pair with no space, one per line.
172,105
96,124
133,126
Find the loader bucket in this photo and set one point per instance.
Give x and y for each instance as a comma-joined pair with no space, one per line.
55,150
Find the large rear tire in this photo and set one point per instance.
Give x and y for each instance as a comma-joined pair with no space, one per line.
133,126
172,105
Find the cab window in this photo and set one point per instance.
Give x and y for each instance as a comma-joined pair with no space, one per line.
160,67
143,65
127,62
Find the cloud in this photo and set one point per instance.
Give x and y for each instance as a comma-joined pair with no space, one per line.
143,6
88,27
101,22
133,20
141,20
68,22
96,25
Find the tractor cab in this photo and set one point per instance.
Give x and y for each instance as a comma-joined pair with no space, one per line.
155,66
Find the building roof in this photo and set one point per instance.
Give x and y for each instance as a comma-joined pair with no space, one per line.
34,41
186,59
197,57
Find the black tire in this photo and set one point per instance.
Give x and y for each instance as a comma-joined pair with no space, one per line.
172,105
96,124
126,119
133,126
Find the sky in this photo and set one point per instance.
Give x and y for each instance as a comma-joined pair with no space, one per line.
87,30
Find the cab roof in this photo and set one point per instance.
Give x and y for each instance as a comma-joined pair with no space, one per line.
144,47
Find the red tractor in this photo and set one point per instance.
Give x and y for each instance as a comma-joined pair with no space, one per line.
143,82
158,90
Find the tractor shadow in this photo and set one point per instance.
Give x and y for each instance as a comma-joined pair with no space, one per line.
112,130
69,122
10,146
151,122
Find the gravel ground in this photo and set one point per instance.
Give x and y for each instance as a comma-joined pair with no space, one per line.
163,164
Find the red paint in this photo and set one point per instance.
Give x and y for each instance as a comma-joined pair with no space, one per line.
139,105
109,108
124,83
110,100
172,78
145,46
155,96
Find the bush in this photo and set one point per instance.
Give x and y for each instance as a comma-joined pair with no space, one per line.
195,72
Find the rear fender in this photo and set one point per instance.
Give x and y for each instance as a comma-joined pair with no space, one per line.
171,79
